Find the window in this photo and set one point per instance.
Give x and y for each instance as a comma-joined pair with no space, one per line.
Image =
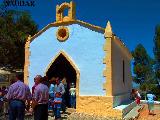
123,72
62,34
65,12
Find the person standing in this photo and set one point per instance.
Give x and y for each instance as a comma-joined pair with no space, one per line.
51,88
59,88
46,81
35,84
150,102
51,92
17,95
138,97
40,100
65,95
72,92
56,103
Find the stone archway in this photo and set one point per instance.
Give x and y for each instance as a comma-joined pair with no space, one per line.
63,66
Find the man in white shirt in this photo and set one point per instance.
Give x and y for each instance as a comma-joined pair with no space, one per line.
59,87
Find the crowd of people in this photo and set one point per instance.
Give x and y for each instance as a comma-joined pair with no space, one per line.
46,95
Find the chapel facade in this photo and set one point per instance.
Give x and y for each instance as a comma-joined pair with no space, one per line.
92,57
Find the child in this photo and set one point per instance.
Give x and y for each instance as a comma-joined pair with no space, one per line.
57,105
72,92
138,98
150,102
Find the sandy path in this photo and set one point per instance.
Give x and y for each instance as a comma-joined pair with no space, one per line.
144,114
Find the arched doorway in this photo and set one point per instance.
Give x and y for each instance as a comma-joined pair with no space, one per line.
64,67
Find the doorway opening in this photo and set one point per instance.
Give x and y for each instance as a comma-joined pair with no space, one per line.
63,68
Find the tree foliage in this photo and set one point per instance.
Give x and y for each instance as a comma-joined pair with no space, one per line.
146,69
157,51
142,65
15,27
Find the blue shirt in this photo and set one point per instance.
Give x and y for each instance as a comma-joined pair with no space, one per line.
51,90
150,98
57,100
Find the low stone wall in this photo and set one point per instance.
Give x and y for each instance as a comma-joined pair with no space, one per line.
97,105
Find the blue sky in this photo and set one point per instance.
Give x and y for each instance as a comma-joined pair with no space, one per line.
133,21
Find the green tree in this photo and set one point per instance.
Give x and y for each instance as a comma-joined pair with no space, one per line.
15,27
157,52
142,66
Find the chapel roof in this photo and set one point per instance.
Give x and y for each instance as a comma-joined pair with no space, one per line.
64,23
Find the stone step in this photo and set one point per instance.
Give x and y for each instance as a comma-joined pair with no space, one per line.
134,113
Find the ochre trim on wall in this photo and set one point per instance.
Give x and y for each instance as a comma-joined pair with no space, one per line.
60,11
107,73
72,64
26,64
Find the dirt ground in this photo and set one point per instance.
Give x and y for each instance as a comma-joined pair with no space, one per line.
145,116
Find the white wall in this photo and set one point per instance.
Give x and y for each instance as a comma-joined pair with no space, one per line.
84,46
